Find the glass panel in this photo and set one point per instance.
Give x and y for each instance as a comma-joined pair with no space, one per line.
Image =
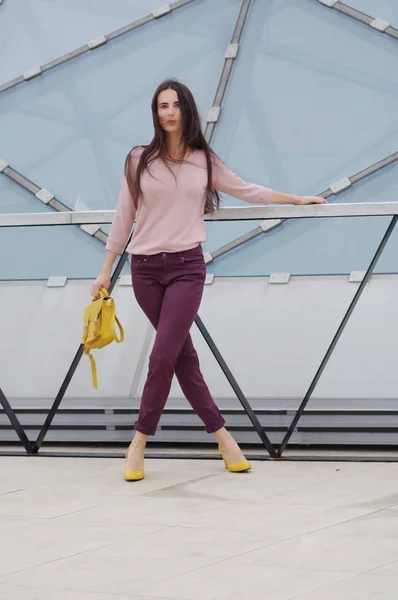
318,246
70,130
312,99
384,9
45,30
39,252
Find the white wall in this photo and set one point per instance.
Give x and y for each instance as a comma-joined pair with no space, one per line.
272,337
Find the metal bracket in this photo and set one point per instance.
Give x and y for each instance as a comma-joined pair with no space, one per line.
90,229
57,281
329,3
209,278
340,185
45,196
213,114
125,280
208,258
279,278
98,41
231,51
269,224
380,24
30,73
3,165
161,11
357,276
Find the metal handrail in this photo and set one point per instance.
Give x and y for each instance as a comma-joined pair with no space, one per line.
229,213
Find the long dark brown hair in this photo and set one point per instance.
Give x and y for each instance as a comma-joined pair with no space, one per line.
192,138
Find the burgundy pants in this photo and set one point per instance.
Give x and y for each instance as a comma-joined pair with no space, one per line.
169,287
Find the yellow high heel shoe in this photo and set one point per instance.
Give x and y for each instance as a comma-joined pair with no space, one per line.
130,474
239,467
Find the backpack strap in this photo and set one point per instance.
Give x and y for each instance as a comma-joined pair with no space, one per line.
93,370
121,330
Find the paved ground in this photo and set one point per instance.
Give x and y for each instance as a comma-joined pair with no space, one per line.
72,529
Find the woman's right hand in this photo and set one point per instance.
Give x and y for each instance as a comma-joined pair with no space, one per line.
103,280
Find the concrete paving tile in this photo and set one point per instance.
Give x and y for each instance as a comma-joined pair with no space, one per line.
364,587
278,521
324,551
11,592
38,544
225,581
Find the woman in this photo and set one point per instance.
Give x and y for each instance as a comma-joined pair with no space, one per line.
167,187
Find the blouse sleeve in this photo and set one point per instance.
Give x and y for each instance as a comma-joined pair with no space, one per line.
123,219
228,182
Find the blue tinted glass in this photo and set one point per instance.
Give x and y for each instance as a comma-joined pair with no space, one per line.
312,99
38,31
70,129
40,252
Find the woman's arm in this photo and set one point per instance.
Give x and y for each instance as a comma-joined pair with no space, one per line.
282,198
122,222
123,219
228,182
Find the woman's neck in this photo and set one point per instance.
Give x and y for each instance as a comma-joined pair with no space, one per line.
175,147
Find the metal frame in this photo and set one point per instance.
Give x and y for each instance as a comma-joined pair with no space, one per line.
223,214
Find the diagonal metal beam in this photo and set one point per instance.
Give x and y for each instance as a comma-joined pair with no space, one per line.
89,47
49,199
235,386
228,65
376,23
75,362
15,423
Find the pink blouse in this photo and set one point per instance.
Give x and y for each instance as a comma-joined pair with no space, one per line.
170,216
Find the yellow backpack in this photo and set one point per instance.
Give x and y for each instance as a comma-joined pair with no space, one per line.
99,320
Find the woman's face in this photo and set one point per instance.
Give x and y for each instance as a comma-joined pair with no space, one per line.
169,111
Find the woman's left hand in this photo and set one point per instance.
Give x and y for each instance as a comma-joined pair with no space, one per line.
301,200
